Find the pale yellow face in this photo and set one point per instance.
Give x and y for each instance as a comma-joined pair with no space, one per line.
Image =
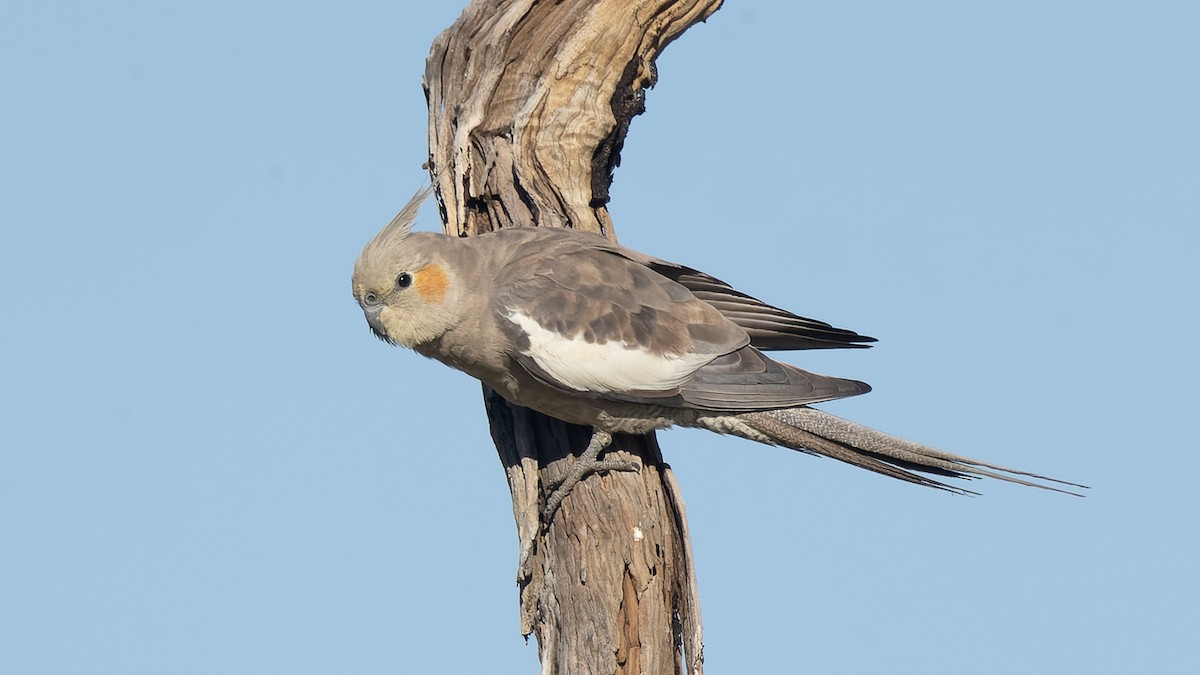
402,282
406,300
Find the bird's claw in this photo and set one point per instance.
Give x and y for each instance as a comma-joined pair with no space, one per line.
587,464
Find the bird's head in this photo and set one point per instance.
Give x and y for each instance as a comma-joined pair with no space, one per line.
405,283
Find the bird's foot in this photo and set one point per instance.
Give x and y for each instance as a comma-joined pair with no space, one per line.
588,463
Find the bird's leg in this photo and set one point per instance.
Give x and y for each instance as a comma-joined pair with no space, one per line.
589,462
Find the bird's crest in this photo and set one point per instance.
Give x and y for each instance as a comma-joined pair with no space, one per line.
400,226
390,239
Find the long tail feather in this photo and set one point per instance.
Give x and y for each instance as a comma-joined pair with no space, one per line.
811,430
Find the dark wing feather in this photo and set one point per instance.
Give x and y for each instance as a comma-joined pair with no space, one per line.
769,327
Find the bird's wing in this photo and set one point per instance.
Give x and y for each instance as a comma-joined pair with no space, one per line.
594,323
769,327
586,319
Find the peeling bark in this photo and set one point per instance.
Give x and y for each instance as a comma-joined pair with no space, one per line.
529,105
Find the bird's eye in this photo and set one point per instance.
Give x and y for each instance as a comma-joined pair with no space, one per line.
371,299
404,280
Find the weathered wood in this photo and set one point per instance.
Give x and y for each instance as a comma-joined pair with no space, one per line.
529,104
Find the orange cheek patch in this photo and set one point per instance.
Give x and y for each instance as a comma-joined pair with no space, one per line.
431,282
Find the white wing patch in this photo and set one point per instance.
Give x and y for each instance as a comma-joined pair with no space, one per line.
604,368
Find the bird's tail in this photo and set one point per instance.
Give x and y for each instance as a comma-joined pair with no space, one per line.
811,430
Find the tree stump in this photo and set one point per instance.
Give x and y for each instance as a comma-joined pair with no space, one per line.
529,104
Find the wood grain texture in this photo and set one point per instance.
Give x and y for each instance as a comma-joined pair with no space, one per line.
529,105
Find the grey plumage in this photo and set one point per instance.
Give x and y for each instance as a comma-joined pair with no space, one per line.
582,329
809,429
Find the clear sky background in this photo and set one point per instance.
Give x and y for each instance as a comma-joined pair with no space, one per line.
208,465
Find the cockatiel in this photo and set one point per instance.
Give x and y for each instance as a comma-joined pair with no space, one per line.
587,331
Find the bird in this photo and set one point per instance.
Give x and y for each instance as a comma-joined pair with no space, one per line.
580,328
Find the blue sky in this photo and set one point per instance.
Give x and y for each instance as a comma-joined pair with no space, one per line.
208,465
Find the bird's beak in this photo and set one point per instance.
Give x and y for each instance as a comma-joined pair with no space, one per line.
372,314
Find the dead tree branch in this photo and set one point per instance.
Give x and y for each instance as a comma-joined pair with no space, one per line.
529,105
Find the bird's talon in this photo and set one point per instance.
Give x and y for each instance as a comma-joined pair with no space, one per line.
584,466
